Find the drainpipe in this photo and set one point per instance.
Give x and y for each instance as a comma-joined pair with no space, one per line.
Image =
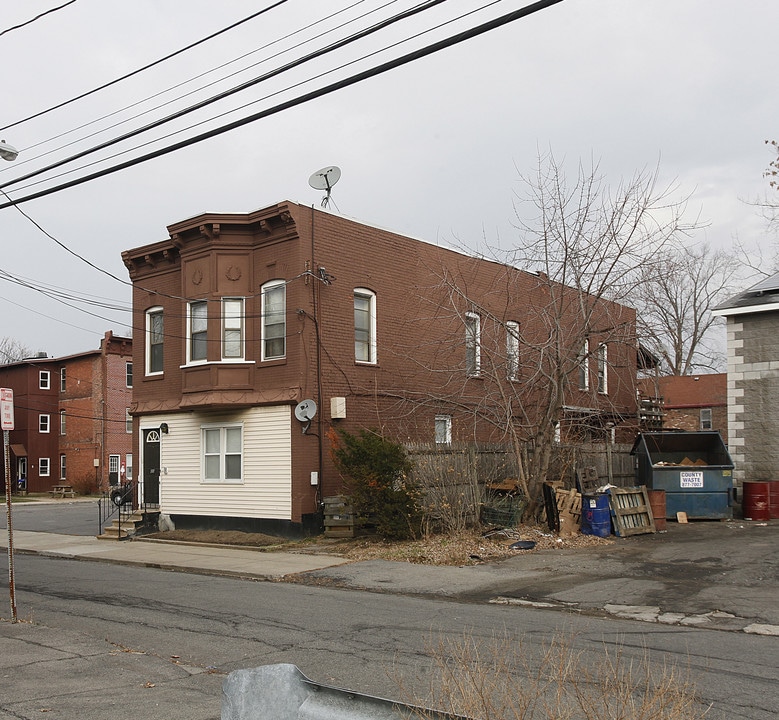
315,290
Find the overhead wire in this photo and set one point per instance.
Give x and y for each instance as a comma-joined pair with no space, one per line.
32,20
307,97
190,80
359,35
142,69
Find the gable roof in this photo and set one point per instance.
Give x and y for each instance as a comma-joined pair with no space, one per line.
761,297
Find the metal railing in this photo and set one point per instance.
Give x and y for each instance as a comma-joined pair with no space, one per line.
119,502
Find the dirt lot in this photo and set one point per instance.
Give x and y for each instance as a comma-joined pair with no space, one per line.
464,549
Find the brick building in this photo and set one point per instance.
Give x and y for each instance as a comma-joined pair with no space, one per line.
753,380
689,402
265,330
72,423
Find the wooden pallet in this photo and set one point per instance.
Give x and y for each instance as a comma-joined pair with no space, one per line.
569,511
339,518
631,513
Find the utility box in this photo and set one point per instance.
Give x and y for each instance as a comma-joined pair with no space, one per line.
694,469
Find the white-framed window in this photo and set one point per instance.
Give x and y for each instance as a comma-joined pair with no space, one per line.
128,470
63,422
44,380
364,326
232,328
512,349
584,366
63,378
128,374
603,368
113,464
155,336
197,331
443,429
63,467
222,453
274,320
128,421
44,423
43,467
472,344
706,419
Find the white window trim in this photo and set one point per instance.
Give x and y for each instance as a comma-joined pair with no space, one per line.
41,471
63,467
265,290
241,328
63,422
149,313
128,421
370,296
603,369
476,320
128,466
512,349
41,423
447,420
709,420
128,374
190,360
63,379
222,453
44,380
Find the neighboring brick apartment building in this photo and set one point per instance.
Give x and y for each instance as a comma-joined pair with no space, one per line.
690,402
72,423
252,319
753,380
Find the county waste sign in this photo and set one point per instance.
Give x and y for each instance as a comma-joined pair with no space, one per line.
7,408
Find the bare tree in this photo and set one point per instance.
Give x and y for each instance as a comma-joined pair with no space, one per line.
550,352
12,350
674,299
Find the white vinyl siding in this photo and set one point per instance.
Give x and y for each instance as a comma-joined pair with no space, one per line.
266,487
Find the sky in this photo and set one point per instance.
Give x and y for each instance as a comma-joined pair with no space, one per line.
433,149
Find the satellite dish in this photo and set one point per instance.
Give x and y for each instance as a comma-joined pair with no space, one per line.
324,179
305,410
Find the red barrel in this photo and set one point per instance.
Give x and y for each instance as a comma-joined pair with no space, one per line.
773,499
755,500
657,503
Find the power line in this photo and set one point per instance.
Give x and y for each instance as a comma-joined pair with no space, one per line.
234,90
142,69
32,20
307,97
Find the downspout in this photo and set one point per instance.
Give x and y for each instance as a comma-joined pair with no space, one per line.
315,291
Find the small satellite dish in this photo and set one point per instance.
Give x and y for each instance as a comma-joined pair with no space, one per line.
305,410
324,179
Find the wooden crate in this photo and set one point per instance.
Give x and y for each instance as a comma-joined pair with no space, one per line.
631,513
339,518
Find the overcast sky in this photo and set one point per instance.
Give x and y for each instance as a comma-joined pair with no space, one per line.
432,149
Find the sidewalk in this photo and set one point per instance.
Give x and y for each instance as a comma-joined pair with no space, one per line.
722,575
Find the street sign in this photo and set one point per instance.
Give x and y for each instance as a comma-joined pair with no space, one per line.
7,408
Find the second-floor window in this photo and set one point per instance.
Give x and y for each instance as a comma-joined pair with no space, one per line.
364,326
472,344
274,320
128,421
706,421
154,341
584,366
44,423
232,328
128,374
512,350
62,422
198,331
44,380
63,378
603,368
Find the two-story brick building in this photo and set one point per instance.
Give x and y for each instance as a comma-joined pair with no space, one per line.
261,331
72,422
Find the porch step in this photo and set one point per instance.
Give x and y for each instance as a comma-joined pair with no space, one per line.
128,525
